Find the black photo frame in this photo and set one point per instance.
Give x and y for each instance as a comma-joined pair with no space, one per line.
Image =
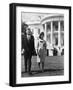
13,44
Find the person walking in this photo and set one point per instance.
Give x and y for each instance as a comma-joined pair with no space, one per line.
28,46
41,51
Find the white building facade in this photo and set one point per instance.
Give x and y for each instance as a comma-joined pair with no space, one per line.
53,28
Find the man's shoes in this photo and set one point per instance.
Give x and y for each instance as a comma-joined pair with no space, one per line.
25,71
42,70
30,73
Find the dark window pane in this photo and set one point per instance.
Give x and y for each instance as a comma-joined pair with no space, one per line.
49,38
62,25
55,38
38,31
48,26
62,39
55,25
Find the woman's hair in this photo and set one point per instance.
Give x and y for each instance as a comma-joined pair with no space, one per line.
42,33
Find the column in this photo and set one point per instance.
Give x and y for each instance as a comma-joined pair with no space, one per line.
51,33
59,44
45,31
59,39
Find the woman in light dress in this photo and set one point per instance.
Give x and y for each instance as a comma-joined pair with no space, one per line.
41,51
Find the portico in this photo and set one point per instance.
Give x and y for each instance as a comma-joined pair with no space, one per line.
53,27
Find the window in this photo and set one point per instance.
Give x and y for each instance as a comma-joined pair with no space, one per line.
38,31
44,26
48,26
55,39
55,25
62,39
62,25
49,38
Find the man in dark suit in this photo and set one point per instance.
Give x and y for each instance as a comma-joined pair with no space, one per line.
28,46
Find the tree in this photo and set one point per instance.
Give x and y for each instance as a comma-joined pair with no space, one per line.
24,26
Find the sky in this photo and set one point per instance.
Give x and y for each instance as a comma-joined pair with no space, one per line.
32,17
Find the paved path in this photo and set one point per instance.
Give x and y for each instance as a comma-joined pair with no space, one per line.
54,65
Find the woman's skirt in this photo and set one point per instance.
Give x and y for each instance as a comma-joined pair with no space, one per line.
41,55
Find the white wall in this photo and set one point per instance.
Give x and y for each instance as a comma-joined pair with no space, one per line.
4,45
